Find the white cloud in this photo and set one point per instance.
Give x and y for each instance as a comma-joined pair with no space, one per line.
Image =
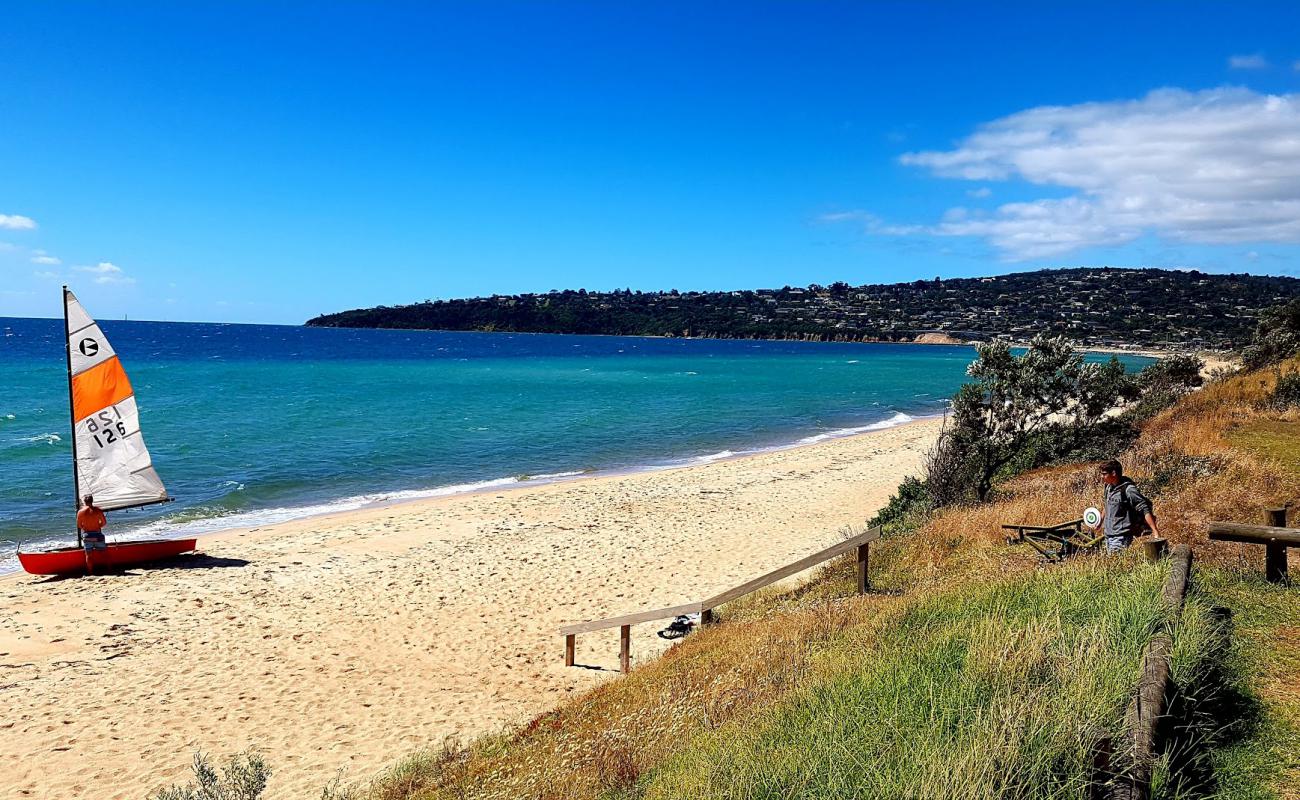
979,193
1248,61
17,222
44,258
107,272
1218,166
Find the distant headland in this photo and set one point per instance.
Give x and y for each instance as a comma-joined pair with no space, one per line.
1096,307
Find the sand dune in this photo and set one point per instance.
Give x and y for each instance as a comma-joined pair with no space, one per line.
345,642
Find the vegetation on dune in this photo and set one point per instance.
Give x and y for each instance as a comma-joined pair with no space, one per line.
1003,691
243,776
1277,336
1048,393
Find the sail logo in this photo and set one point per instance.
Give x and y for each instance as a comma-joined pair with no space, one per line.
88,347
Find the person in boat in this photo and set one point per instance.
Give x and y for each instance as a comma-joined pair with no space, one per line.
1126,512
91,521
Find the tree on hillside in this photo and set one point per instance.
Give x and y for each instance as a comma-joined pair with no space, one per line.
1276,337
1013,399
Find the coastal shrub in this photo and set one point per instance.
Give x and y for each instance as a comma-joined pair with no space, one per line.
907,508
1277,336
1161,384
1286,392
1047,391
243,777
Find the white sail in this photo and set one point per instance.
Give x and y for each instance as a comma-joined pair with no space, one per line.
111,460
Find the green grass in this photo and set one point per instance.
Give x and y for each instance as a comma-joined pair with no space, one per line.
1260,758
1275,439
998,694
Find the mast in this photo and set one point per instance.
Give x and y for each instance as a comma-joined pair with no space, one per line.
72,414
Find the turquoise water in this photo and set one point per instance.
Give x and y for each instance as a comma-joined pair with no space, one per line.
250,424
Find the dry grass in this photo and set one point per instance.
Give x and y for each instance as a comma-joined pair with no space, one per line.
604,741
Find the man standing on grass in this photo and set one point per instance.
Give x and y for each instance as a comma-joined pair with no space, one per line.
1126,512
91,521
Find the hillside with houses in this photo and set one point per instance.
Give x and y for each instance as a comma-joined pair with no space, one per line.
1106,307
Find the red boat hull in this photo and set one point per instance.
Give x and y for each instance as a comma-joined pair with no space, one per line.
72,560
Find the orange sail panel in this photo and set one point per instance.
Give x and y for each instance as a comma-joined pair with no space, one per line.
112,462
99,387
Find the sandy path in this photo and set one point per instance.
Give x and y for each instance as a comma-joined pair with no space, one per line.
348,641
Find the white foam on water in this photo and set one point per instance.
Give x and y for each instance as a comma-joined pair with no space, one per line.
711,457
840,433
47,438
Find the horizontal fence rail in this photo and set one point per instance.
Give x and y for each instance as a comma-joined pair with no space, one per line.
1274,535
705,608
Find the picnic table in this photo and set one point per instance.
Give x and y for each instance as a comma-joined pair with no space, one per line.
1053,542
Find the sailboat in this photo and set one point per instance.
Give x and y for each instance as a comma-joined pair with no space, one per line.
109,457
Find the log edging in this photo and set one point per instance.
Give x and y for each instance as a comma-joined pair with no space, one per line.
1141,742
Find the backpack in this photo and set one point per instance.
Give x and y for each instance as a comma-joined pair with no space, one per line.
1137,520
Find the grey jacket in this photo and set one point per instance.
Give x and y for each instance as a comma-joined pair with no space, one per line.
1126,510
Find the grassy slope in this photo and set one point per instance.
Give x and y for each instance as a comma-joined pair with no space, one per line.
821,665
997,692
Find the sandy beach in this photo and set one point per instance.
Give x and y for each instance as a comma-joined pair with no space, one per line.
346,642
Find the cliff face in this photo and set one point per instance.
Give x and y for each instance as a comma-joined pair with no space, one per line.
936,338
1168,309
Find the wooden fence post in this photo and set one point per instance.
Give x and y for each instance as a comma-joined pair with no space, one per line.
1155,548
1275,561
625,647
863,560
569,641
1275,567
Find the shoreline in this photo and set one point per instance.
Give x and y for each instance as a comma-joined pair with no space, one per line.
354,639
392,499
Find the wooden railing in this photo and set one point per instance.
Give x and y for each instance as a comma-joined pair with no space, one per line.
1273,534
705,608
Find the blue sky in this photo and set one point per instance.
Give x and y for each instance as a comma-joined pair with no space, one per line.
265,162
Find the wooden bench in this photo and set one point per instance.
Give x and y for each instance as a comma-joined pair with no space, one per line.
1274,535
704,608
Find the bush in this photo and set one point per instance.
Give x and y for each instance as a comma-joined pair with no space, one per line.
906,510
1286,394
1277,336
1162,383
243,777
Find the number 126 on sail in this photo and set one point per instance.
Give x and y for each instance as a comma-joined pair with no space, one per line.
103,424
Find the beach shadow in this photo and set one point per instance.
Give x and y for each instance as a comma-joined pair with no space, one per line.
187,561
594,668
192,561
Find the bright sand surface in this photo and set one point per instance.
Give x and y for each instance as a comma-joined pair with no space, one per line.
351,640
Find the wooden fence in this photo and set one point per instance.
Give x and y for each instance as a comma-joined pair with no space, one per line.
704,608
1274,535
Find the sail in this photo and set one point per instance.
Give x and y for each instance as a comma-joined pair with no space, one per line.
112,462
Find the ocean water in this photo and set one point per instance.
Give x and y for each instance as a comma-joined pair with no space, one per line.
251,424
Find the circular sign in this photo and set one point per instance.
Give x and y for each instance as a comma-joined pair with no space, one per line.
1091,517
88,347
